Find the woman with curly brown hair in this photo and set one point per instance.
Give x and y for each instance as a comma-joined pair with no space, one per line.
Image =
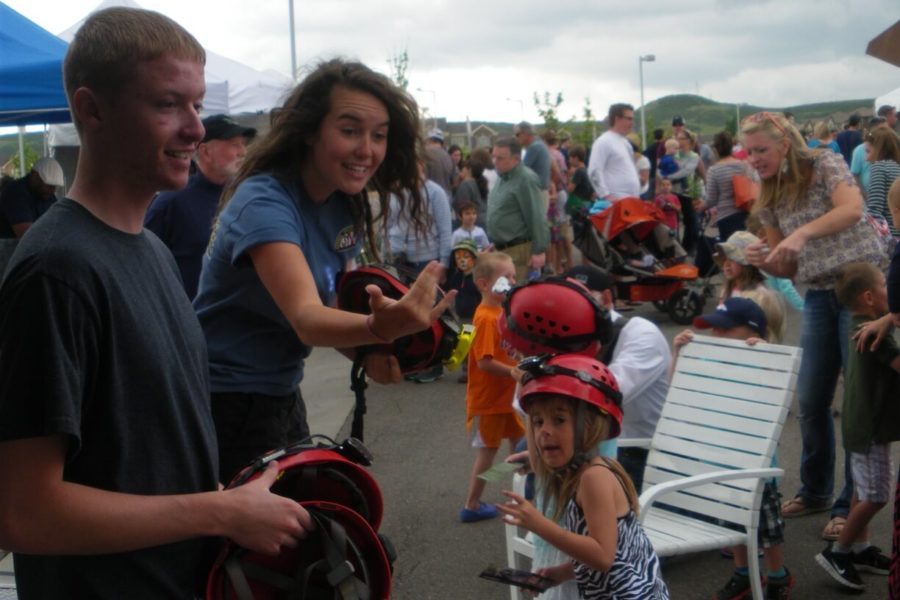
295,217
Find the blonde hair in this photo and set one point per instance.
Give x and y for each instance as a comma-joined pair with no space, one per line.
773,307
560,485
821,130
794,176
487,263
111,42
671,144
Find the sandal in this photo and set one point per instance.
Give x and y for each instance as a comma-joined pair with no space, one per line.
833,528
799,506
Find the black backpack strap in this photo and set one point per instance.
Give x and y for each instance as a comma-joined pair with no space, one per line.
358,385
606,352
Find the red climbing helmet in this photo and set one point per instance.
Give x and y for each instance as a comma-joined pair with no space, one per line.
552,316
342,557
574,376
415,352
323,472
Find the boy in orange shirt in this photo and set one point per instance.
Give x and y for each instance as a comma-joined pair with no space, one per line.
492,381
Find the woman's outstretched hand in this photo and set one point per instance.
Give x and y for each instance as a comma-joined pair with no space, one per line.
413,312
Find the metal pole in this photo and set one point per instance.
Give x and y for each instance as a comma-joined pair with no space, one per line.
293,41
643,108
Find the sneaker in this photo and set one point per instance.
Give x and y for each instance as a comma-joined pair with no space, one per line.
429,376
872,560
737,587
840,566
779,588
484,512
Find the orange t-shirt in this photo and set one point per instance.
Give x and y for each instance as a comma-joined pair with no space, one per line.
488,394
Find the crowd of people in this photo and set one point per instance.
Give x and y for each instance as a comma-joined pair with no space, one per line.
153,344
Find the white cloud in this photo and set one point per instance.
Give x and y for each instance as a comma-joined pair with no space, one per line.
476,54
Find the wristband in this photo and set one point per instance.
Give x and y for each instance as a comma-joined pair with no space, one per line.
369,322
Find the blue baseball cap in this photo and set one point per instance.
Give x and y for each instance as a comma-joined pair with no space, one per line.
735,312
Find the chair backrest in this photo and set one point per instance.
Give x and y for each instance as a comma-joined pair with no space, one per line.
725,410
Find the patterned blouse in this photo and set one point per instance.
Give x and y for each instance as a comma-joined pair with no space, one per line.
821,259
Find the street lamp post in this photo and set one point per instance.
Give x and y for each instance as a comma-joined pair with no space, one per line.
293,41
641,61
433,106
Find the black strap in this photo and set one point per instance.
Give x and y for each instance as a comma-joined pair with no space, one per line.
358,385
606,352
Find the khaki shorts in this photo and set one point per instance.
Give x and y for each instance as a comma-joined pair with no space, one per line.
489,431
520,255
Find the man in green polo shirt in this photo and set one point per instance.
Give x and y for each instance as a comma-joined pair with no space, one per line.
516,222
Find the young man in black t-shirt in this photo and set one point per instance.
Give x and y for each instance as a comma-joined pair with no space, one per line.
107,446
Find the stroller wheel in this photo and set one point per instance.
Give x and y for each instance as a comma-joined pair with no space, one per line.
684,305
662,305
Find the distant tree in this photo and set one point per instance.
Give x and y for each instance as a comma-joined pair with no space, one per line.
31,157
399,64
548,109
587,131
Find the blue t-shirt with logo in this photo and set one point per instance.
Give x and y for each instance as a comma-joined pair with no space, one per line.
252,347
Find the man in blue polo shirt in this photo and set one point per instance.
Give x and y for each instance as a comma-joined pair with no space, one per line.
183,219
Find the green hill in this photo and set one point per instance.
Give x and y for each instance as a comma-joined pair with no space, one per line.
707,116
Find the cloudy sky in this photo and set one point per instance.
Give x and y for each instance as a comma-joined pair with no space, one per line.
486,59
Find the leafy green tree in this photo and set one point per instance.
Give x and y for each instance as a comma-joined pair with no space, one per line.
399,63
31,157
548,109
587,129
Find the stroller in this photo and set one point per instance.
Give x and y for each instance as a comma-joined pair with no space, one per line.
630,240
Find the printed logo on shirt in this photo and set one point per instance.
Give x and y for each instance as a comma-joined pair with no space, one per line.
346,239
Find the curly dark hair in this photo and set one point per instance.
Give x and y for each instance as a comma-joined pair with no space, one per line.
286,146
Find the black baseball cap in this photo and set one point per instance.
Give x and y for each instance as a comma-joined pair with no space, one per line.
591,277
223,127
677,121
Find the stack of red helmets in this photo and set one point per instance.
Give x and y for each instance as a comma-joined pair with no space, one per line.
343,557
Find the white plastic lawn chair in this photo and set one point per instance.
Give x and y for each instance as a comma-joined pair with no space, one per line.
711,453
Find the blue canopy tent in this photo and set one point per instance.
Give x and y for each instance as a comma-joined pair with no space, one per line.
31,86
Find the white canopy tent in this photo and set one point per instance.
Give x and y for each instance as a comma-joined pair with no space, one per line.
891,99
232,88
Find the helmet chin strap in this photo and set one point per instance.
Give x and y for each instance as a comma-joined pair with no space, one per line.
580,457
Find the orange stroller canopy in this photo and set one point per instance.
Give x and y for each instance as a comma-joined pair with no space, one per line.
628,213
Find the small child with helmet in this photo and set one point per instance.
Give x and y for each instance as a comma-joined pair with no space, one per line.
573,403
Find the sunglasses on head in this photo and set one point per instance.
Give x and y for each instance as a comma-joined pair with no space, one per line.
762,117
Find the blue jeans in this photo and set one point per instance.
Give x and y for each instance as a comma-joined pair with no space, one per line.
824,338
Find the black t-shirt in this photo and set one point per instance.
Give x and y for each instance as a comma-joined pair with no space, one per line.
583,188
98,342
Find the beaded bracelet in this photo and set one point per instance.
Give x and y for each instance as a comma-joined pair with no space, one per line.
369,322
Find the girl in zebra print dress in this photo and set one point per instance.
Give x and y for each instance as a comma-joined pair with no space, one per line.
573,403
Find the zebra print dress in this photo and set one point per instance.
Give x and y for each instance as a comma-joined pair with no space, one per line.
634,574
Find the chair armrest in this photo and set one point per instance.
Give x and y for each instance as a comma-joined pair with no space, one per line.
633,443
652,493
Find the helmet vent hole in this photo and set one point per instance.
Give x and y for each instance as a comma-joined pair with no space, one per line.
539,319
552,323
526,314
542,331
565,328
529,327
